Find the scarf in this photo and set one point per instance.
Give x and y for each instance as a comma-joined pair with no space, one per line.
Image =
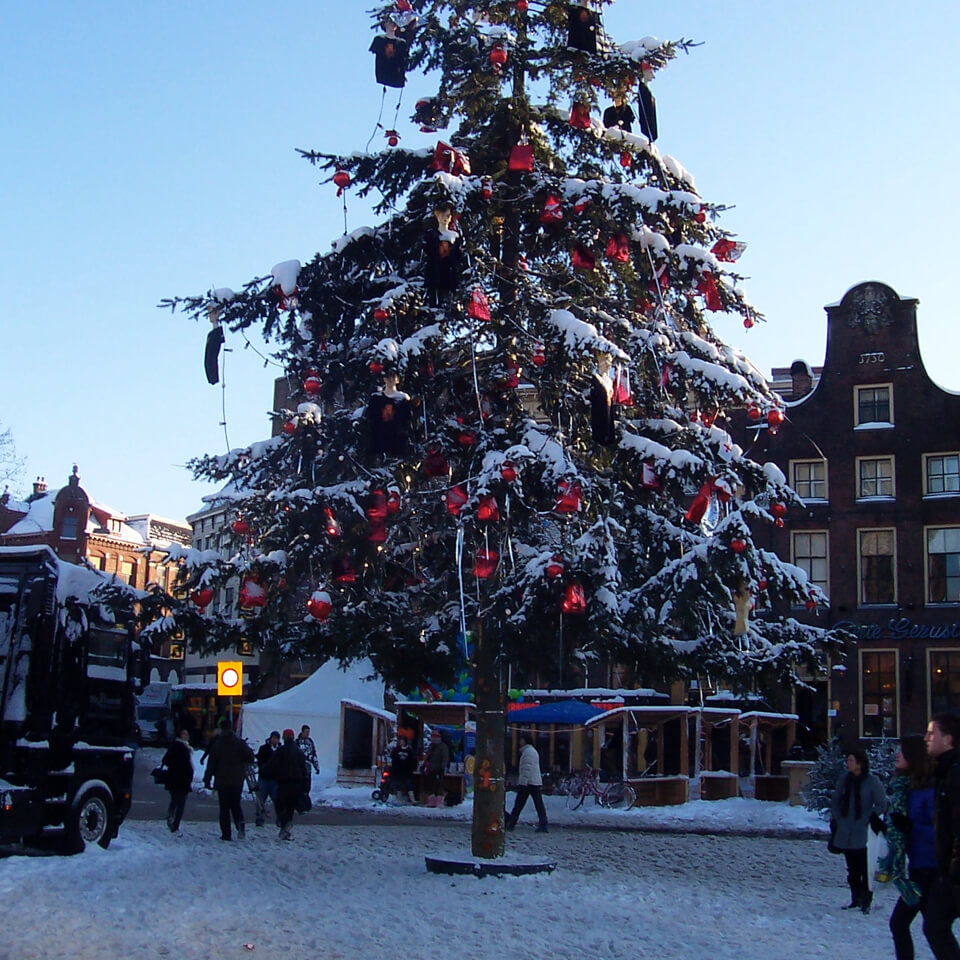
848,786
895,863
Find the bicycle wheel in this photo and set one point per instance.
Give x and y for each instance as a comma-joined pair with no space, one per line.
574,799
616,795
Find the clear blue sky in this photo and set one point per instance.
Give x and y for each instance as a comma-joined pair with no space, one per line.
148,150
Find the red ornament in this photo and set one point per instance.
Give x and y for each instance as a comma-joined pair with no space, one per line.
539,358
312,385
754,412
393,501
375,367
552,212
554,568
737,545
508,471
241,526
748,323
202,597
648,477
378,532
393,138
569,499
574,599
435,464
319,605
467,438
331,525
811,604
456,497
580,116
342,179
342,571
711,292
728,250
252,594
622,393
512,380
626,160
486,189
381,314
485,563
775,418
761,584
498,57
378,505
778,509
521,158
479,306
522,6
487,510
583,259
618,248
290,427
700,216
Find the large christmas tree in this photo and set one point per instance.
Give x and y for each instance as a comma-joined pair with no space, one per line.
507,407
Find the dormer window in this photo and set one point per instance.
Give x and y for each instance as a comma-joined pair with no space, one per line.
69,528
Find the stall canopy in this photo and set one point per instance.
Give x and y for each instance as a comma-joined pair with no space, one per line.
562,711
316,702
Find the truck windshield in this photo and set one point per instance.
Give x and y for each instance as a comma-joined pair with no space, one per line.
107,654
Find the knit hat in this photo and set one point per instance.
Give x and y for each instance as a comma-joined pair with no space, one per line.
288,734
274,733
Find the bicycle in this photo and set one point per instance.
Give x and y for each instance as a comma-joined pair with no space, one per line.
586,783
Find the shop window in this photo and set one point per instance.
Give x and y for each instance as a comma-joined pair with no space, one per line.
809,552
944,681
877,563
942,473
874,404
943,564
874,477
809,478
878,693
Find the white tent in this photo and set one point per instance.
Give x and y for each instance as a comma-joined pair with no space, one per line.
316,702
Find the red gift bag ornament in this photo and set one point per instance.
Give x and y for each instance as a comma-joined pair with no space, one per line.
554,568
479,306
435,464
455,499
508,471
618,248
393,500
377,510
775,418
319,605
342,572
378,532
701,501
487,510
342,179
574,599
202,597
580,116
583,259
521,158
648,477
539,357
252,594
450,160
331,526
240,526
711,292
728,250
569,498
312,385
552,212
485,563
512,380
622,393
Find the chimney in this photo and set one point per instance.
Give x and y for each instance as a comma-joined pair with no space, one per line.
801,376
39,486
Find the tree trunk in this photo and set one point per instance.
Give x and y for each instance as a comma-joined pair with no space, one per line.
487,834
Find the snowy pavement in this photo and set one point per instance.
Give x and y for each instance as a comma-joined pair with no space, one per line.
362,893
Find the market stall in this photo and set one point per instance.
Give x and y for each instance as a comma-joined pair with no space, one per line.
457,723
716,762
770,737
365,732
557,731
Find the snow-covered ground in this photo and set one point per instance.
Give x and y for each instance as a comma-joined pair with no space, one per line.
362,892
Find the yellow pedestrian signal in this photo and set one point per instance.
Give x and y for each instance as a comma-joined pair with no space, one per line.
229,678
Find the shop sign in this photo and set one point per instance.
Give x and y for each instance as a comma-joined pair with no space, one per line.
901,628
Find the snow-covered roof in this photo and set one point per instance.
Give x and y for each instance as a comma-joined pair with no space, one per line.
39,519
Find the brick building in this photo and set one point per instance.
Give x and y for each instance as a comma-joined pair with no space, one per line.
872,446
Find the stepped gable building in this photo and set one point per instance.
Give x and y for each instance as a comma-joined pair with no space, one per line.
872,446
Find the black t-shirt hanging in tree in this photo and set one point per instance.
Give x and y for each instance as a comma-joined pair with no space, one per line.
391,64
648,113
619,116
388,423
582,25
442,254
211,354
603,411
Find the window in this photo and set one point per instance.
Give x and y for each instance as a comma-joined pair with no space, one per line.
128,572
877,555
944,681
874,404
810,554
943,564
942,473
874,477
69,528
878,693
810,479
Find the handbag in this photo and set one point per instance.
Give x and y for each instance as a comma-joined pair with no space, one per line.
159,775
304,803
833,833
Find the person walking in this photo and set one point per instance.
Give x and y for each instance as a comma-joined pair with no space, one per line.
309,749
403,762
179,763
529,784
940,908
288,767
912,862
434,767
266,787
227,768
857,800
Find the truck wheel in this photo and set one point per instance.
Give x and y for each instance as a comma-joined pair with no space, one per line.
89,820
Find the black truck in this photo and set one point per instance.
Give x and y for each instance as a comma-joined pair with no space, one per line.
67,721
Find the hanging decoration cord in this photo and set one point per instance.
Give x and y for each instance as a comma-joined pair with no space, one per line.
223,395
378,125
459,558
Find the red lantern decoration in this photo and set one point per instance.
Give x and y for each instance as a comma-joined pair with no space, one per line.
435,464
381,314
375,367
552,212
479,306
342,179
618,248
312,385
290,427
775,418
539,358
554,568
319,605
393,501
737,545
202,597
240,526
508,471
331,526
569,499
378,505
485,563
487,510
583,259
342,572
252,594
574,599
455,499
580,116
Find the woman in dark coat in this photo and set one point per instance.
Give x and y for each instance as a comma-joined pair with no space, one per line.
179,763
858,798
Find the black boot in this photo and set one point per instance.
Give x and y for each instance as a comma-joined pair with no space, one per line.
855,898
866,901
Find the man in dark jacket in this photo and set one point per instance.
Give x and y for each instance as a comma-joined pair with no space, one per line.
943,736
266,787
179,763
288,766
227,768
